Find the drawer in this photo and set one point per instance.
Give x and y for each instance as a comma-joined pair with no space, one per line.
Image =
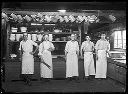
121,70
111,70
121,74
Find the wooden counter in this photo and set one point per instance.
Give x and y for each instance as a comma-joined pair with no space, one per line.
117,71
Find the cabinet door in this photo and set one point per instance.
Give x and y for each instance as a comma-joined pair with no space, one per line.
121,74
12,71
111,70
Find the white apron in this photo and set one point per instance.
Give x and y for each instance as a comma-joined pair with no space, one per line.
89,64
45,71
72,65
101,64
27,63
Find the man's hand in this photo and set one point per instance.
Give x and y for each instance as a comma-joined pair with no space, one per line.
50,49
31,53
96,57
65,58
20,59
81,57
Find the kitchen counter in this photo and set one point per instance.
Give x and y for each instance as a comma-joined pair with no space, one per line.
117,70
121,63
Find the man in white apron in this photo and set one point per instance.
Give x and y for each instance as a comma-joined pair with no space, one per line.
88,47
72,52
46,66
26,51
102,48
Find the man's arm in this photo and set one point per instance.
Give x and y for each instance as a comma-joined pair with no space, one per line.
36,49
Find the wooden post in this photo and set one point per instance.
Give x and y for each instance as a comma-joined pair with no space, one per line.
7,41
85,28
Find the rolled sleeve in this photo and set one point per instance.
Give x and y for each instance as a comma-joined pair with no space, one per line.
35,44
52,46
66,47
40,49
82,46
97,44
77,47
20,45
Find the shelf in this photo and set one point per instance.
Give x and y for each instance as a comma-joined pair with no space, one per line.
59,41
40,41
44,32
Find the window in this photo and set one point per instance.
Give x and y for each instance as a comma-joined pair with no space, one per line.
120,39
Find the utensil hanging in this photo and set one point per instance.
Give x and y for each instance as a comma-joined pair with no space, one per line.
14,17
71,18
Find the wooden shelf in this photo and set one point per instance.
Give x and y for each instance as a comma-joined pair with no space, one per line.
40,41
45,32
59,41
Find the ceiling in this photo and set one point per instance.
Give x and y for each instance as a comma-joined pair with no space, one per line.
104,7
70,6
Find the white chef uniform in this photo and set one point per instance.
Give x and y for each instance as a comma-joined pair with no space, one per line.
72,59
88,58
45,72
101,64
27,58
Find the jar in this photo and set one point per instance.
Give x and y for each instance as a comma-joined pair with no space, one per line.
34,37
14,29
18,37
12,37
23,29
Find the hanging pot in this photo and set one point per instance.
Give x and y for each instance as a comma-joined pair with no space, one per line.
85,18
54,19
5,16
80,18
27,18
113,18
39,15
33,17
14,16
66,19
12,37
71,18
61,19
48,19
20,19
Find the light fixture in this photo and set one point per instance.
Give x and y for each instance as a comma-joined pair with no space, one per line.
49,24
62,11
35,24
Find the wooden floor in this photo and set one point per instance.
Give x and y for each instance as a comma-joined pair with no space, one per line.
61,85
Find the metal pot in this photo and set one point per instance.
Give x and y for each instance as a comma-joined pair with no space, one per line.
63,38
57,39
18,36
12,37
